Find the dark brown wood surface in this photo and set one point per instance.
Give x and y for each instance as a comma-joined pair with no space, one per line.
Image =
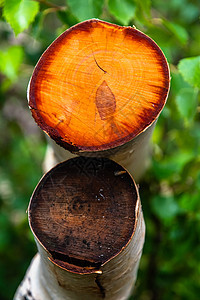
83,212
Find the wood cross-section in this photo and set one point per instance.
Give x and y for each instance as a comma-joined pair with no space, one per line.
84,212
98,86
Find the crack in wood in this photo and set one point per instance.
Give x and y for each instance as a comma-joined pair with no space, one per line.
75,261
99,65
101,288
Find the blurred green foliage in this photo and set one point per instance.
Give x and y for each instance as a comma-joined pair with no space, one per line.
170,190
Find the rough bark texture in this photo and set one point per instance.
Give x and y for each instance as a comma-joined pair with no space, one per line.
116,232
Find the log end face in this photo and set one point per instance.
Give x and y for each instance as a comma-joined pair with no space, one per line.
98,86
83,212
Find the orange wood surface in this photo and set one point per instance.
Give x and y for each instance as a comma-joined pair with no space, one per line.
98,86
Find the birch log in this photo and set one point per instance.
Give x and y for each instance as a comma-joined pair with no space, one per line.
98,91
88,225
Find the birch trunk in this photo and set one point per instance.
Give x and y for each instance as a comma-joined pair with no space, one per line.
100,259
134,155
98,91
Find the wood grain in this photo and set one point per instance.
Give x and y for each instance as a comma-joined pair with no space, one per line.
83,212
98,86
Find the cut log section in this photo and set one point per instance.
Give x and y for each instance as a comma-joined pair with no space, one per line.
100,86
87,220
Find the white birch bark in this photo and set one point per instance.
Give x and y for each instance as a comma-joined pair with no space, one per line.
114,281
133,156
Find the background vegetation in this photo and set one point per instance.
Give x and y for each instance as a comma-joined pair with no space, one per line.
170,190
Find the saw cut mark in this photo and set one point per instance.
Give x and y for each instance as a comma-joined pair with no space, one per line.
105,101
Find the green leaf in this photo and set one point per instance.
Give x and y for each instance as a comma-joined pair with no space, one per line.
186,101
20,13
177,82
189,202
145,6
172,165
10,61
165,207
67,17
178,30
122,10
190,70
37,25
86,9
189,13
